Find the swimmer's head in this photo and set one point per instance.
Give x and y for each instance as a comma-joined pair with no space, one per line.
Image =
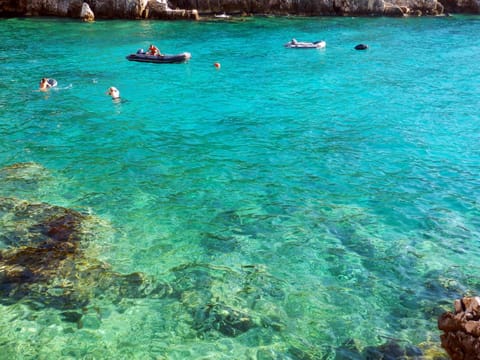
113,92
44,84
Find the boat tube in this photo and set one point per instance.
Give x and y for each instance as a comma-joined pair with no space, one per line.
294,44
141,56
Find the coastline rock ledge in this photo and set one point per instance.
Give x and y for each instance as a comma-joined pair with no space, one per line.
100,9
461,337
193,9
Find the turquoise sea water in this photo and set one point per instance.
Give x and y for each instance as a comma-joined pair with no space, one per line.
329,194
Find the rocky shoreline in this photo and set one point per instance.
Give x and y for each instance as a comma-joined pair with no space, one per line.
461,329
196,9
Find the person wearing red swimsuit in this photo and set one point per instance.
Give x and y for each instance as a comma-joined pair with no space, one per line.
153,50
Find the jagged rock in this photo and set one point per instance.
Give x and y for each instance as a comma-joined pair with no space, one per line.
462,6
87,14
158,9
393,10
461,329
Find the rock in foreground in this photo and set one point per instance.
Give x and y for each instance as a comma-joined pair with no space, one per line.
461,337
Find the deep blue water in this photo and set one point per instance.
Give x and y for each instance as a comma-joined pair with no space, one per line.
330,194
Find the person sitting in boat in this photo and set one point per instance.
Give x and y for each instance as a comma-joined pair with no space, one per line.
153,50
294,41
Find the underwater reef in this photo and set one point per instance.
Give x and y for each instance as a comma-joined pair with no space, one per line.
48,259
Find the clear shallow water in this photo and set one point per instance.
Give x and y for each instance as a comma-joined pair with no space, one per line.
333,194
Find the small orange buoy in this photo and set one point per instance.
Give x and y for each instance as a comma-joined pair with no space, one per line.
217,65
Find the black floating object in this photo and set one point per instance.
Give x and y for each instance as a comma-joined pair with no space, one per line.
361,47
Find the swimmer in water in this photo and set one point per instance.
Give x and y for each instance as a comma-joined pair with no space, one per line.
113,92
44,85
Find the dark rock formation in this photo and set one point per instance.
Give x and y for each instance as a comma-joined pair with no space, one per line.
458,6
461,329
44,260
40,8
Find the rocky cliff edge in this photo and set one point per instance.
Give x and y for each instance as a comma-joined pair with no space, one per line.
193,9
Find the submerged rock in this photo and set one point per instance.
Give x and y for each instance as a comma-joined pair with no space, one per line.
47,259
43,260
391,350
22,177
24,170
394,351
205,291
223,318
